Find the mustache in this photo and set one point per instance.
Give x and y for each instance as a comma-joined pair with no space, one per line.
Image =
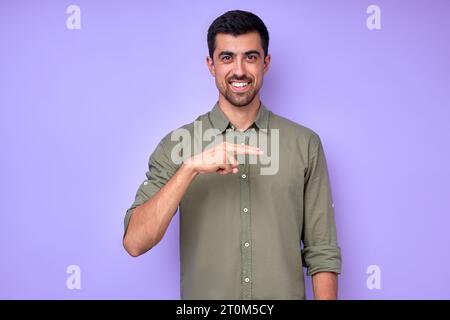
242,78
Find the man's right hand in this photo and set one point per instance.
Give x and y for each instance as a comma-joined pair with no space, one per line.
149,221
221,158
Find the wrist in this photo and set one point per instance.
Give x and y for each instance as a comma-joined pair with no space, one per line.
189,169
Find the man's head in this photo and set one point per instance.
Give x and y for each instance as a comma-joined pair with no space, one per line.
238,43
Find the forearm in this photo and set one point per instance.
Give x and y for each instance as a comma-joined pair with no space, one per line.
325,285
149,221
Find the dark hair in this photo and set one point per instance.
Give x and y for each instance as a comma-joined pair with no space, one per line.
237,22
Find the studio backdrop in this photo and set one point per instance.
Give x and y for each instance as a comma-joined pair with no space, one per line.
88,89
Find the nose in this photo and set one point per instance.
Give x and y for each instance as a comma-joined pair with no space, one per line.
239,68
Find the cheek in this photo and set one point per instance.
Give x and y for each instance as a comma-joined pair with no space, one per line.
220,80
255,71
220,75
258,74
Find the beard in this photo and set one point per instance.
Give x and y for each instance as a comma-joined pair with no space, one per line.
239,99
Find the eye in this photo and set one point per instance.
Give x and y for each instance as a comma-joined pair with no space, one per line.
226,58
252,57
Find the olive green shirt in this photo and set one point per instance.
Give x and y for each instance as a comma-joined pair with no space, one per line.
249,235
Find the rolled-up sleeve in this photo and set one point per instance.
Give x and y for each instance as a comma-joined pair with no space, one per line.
320,248
160,170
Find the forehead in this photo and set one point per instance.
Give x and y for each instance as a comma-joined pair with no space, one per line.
238,44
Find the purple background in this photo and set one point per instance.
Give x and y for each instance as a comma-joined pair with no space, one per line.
81,111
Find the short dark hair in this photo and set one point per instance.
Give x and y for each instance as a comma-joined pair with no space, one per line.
237,22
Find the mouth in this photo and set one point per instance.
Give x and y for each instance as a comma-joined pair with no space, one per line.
239,85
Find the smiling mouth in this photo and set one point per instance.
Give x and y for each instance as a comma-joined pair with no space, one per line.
239,86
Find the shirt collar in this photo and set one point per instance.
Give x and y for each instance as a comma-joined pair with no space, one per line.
220,121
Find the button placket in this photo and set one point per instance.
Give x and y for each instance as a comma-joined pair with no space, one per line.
246,250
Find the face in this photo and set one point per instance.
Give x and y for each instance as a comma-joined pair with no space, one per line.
239,67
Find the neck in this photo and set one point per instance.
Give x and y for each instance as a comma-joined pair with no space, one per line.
241,117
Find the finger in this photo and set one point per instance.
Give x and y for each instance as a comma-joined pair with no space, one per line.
221,172
243,149
218,156
231,159
249,151
234,146
226,167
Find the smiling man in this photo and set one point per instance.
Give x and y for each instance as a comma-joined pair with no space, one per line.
245,233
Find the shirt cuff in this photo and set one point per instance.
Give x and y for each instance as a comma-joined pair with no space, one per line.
322,259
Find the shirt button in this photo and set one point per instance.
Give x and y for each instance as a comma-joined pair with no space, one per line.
244,176
145,183
247,244
247,280
245,209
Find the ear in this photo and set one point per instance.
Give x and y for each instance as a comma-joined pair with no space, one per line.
267,62
210,64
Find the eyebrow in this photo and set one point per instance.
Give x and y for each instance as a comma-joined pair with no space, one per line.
252,52
229,53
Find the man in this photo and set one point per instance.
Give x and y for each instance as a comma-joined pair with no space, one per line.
241,230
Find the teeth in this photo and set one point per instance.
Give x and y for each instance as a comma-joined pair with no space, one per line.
239,84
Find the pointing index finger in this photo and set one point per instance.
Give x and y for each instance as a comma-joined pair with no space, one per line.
244,149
